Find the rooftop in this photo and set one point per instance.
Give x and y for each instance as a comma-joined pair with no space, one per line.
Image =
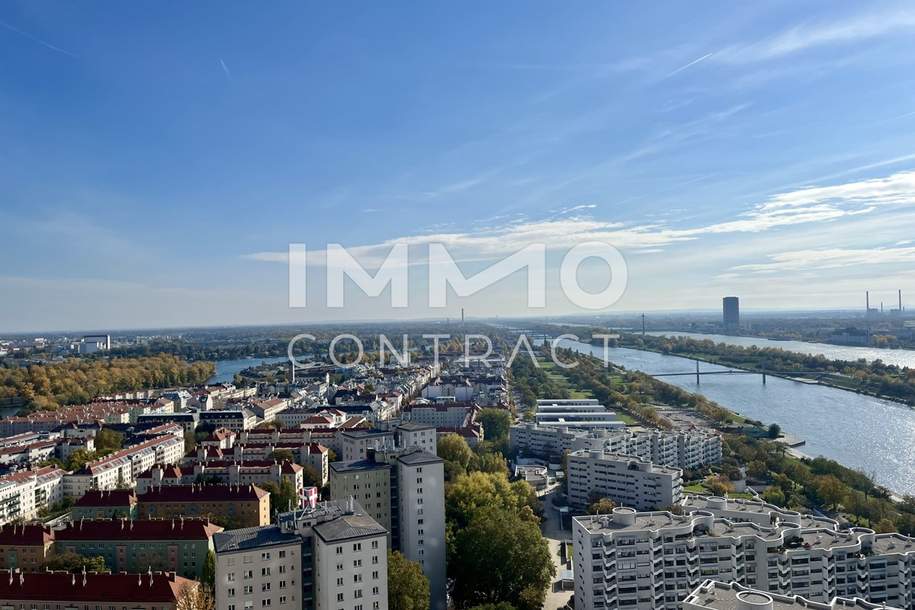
152,529
348,527
93,587
203,493
251,538
732,596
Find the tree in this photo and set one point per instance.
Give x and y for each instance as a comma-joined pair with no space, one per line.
310,477
719,486
500,557
774,431
601,506
774,495
282,496
107,441
68,561
456,453
491,462
195,597
496,424
408,587
79,458
885,526
208,576
472,492
830,490
283,455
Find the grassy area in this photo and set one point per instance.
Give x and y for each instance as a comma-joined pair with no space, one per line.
555,373
698,488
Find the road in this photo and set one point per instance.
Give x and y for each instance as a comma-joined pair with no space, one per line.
555,598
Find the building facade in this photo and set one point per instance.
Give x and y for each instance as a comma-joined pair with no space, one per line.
626,480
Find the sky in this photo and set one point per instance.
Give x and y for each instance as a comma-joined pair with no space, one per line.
158,159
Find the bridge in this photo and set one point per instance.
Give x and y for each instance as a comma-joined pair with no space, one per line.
698,374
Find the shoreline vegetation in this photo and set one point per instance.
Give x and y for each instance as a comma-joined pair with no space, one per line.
47,387
877,379
786,480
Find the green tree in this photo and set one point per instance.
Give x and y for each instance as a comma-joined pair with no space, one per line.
601,506
108,441
830,490
283,455
491,462
79,458
69,561
774,495
885,526
472,492
496,424
208,576
500,557
456,453
408,587
282,495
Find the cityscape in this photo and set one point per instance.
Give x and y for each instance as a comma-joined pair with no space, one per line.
515,306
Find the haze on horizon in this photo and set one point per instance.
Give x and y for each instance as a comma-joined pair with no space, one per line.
157,161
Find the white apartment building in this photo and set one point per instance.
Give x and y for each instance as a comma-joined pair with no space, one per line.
404,490
331,555
121,468
420,436
626,480
23,494
715,595
350,560
258,567
652,560
678,449
586,413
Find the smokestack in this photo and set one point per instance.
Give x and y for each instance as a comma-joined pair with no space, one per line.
900,300
867,300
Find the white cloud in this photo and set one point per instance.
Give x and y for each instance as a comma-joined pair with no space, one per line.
809,36
807,205
829,258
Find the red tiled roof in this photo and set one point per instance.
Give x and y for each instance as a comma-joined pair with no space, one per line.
108,588
151,529
20,535
203,493
113,497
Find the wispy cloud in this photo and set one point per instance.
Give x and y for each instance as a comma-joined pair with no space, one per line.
225,69
829,258
37,40
808,205
688,65
805,37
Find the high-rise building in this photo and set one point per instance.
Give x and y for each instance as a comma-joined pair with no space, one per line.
329,556
731,312
404,490
626,480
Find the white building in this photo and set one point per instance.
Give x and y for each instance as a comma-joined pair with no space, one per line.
331,555
715,595
585,413
121,468
652,560
626,480
24,494
404,490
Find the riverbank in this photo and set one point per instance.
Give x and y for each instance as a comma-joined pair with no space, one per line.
793,378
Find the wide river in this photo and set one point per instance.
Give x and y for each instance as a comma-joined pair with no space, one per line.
869,434
226,369
900,357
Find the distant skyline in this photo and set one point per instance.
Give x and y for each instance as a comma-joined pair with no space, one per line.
158,160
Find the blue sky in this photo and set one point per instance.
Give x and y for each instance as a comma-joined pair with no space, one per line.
158,159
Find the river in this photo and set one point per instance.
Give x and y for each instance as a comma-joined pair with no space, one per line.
900,357
869,434
226,369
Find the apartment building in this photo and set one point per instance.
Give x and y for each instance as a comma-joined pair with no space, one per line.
650,560
106,504
149,591
231,506
350,562
121,468
171,545
331,555
716,595
355,444
258,567
402,489
626,480
311,454
583,413
25,547
107,411
25,493
225,472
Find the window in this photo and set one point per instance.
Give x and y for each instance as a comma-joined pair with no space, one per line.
265,556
